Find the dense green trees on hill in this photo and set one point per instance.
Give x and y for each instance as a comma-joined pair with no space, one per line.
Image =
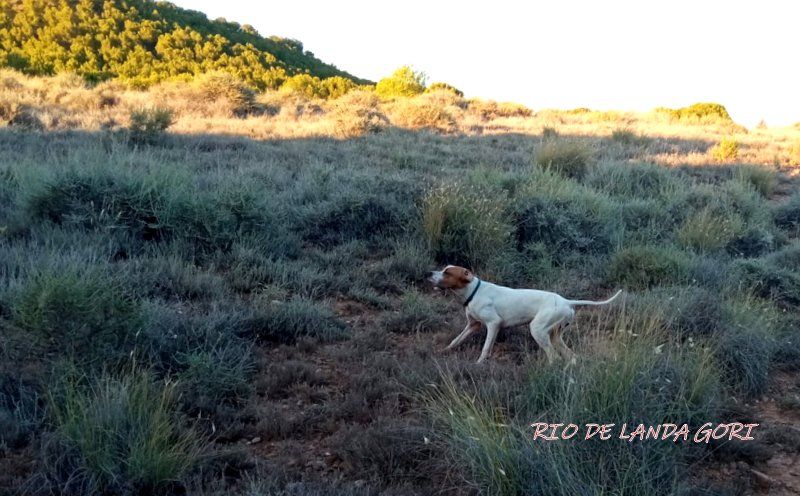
143,42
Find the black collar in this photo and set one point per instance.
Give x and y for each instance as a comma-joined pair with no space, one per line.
470,297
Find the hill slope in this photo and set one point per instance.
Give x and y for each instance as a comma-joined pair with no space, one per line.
142,42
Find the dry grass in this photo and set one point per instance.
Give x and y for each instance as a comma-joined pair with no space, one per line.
216,105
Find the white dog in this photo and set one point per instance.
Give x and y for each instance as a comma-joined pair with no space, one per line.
499,306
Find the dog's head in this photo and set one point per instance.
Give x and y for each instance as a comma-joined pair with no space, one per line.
451,277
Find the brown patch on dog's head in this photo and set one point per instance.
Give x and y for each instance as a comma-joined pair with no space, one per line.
452,277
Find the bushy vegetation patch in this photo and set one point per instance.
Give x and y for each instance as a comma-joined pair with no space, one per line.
641,267
644,181
346,219
787,214
85,316
147,126
768,280
563,227
699,112
405,81
641,379
725,151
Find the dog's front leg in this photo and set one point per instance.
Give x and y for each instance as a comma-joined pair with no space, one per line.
472,326
492,328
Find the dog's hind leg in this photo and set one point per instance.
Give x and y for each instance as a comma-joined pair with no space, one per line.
540,330
557,339
472,326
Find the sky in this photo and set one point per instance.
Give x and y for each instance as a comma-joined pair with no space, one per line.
612,54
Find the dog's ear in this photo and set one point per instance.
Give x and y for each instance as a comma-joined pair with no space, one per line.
467,275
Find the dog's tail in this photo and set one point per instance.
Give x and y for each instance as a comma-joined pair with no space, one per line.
589,302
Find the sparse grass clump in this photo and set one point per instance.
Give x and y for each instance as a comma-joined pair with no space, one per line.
489,109
147,126
628,137
416,314
725,151
220,373
569,158
286,322
641,267
120,435
464,226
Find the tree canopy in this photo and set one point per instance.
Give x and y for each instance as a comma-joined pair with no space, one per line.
142,42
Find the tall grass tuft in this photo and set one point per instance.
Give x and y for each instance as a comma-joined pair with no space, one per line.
569,158
124,433
463,226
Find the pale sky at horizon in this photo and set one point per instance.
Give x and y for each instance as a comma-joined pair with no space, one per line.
618,54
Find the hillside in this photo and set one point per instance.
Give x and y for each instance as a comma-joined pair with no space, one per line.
143,42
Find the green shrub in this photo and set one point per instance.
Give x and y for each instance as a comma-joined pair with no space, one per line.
762,179
703,112
754,241
463,226
370,218
726,150
286,322
563,227
147,126
707,230
787,214
124,435
641,267
569,158
85,316
403,82
768,280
